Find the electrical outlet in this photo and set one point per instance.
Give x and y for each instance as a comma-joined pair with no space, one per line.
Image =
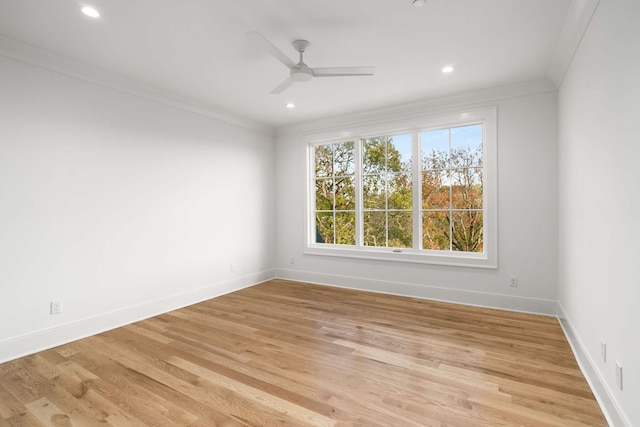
232,268
55,307
292,260
619,374
603,350
514,282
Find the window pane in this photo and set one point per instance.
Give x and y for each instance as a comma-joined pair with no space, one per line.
399,190
435,189
324,194
399,153
400,229
375,225
434,149
435,231
374,192
466,188
344,159
345,194
467,231
466,146
374,155
324,160
345,228
324,227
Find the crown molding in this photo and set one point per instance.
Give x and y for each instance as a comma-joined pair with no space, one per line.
57,63
575,25
432,105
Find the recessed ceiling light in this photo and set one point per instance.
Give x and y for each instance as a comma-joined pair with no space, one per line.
89,11
290,105
447,69
418,3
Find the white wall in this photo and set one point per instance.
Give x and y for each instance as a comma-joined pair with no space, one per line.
120,207
599,154
527,199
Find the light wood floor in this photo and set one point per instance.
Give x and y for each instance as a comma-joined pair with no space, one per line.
291,354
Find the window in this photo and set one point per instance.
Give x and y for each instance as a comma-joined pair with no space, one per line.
451,180
423,193
387,191
335,193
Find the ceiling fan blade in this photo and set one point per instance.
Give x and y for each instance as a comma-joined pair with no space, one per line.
283,86
343,71
258,39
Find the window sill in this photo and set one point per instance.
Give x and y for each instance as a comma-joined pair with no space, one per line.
452,259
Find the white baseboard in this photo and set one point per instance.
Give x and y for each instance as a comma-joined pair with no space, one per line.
614,415
52,337
480,299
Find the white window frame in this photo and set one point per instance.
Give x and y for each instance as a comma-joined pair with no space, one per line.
487,259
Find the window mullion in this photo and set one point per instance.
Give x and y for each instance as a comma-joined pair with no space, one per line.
416,193
359,214
386,194
333,192
450,176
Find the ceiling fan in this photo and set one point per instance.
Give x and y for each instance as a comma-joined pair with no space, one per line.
301,72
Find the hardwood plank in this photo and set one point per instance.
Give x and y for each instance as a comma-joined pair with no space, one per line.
9,405
24,420
48,414
284,353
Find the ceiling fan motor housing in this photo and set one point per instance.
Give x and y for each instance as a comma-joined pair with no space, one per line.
301,73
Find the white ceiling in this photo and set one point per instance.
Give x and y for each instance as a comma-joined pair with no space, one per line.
199,50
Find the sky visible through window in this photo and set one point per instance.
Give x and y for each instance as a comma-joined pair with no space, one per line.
461,137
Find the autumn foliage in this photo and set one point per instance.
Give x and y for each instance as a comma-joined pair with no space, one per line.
451,195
